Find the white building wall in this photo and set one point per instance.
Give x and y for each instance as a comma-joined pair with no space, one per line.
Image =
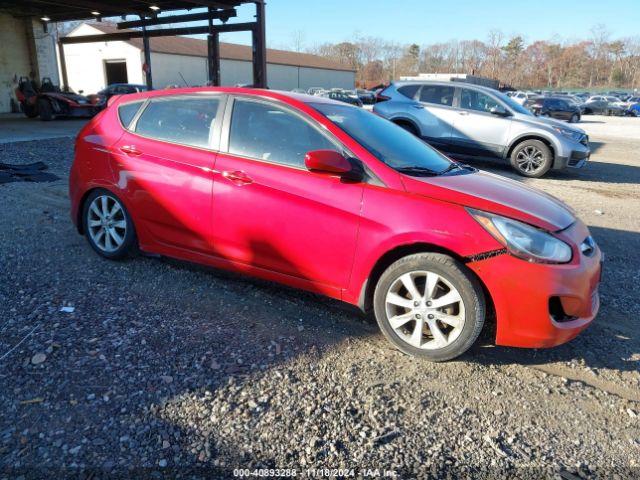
233,72
166,69
25,51
45,52
85,61
315,77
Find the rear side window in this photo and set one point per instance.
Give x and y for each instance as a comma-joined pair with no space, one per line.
437,95
127,111
180,120
409,91
267,132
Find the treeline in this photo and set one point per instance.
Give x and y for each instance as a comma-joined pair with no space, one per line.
595,62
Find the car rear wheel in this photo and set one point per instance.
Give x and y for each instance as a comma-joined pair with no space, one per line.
45,110
108,226
429,305
575,118
531,158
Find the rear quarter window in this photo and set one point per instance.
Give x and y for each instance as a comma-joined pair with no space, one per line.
127,111
409,91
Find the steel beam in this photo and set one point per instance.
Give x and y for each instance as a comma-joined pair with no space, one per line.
259,44
191,17
167,32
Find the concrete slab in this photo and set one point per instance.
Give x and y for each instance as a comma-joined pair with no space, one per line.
15,127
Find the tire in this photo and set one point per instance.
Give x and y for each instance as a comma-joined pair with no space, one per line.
575,118
29,110
408,127
45,110
531,158
115,237
453,281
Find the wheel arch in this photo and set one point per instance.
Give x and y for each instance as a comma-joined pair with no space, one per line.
531,136
401,119
365,301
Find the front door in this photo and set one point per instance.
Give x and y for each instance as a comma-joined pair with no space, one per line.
476,131
269,211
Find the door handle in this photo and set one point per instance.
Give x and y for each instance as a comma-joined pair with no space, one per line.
419,107
463,113
237,177
130,150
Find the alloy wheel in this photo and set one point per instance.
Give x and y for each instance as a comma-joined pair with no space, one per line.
425,310
106,223
530,159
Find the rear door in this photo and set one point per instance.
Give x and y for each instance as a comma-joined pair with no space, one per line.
269,211
436,114
164,163
477,131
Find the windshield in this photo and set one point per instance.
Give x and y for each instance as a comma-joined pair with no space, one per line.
512,104
388,142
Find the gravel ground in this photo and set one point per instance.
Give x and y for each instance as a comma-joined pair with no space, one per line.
166,369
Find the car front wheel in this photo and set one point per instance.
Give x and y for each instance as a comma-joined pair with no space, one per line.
531,158
430,306
108,226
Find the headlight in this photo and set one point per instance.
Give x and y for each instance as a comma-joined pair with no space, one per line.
522,240
572,134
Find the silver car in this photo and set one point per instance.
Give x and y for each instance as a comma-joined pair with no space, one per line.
473,121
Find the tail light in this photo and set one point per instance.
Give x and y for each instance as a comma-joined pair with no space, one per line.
380,97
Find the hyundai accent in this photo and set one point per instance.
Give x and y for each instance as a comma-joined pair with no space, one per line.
330,198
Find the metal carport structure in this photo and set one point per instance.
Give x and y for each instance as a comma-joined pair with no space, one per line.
148,12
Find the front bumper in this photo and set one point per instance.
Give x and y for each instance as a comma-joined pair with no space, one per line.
524,294
576,156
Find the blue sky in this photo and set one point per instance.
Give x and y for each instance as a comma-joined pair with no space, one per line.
431,21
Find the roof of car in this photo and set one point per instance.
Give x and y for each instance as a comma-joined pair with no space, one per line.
444,83
258,92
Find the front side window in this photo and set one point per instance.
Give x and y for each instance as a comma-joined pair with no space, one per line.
270,133
437,95
187,121
478,101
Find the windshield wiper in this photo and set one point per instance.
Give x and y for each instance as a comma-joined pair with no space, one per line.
418,171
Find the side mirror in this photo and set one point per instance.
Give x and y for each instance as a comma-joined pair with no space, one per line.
332,162
327,161
80,92
499,110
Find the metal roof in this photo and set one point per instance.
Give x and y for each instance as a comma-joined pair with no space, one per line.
177,45
64,10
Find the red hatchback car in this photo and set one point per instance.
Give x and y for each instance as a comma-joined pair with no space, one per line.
330,198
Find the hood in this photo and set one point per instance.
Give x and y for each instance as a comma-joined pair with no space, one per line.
495,194
549,122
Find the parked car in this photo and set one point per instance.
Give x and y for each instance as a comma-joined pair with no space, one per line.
105,94
342,96
473,121
323,196
299,90
599,104
556,107
315,90
366,96
524,97
49,102
633,110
